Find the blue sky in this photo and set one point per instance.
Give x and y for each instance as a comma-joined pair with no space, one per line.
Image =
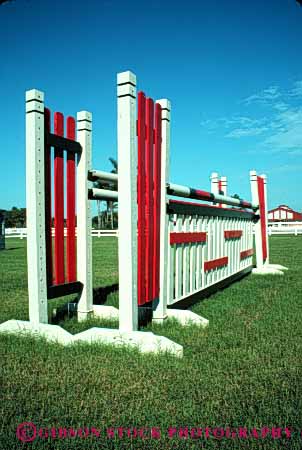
231,69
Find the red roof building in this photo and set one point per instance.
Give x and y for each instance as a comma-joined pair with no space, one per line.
284,213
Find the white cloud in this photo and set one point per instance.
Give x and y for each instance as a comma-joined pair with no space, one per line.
286,131
280,106
297,89
241,132
240,122
285,168
265,96
279,130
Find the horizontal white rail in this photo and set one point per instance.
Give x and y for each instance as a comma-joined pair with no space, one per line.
103,176
103,194
284,224
22,233
188,192
280,228
279,231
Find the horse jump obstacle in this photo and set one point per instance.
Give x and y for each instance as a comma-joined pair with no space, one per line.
170,251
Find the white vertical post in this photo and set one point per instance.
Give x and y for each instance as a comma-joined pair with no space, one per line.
84,242
224,185
35,207
266,217
214,184
127,204
257,226
160,312
223,181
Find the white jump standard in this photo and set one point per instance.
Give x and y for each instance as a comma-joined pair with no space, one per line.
171,252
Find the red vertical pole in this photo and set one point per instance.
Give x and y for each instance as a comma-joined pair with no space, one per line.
262,210
59,201
141,198
71,188
48,218
156,214
149,196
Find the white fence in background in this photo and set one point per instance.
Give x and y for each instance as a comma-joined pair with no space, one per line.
22,233
279,228
276,228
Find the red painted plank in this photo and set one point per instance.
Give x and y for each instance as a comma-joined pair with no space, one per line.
262,208
232,234
156,206
246,253
215,263
48,216
71,199
187,238
141,195
149,196
59,201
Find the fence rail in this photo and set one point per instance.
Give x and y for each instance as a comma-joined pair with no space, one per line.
276,228
280,228
22,233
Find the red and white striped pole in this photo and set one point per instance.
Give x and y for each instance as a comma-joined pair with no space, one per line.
259,196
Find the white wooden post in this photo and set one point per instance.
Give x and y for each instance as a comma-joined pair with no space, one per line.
223,188
127,200
35,207
266,217
84,242
261,267
224,185
160,313
257,226
214,184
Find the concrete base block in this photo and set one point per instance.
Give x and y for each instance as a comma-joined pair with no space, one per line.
186,317
84,315
52,333
270,269
106,312
160,319
267,271
145,342
278,267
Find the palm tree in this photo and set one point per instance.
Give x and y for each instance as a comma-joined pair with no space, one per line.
110,205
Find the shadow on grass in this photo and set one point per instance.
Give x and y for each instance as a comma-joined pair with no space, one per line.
101,293
69,309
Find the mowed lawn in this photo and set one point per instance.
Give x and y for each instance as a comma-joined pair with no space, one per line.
244,370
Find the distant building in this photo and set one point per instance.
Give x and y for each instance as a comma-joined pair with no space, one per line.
284,213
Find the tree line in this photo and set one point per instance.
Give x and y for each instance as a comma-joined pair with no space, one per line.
16,218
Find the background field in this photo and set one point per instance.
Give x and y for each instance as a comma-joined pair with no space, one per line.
244,370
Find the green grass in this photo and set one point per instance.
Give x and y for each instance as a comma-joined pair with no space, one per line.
243,370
